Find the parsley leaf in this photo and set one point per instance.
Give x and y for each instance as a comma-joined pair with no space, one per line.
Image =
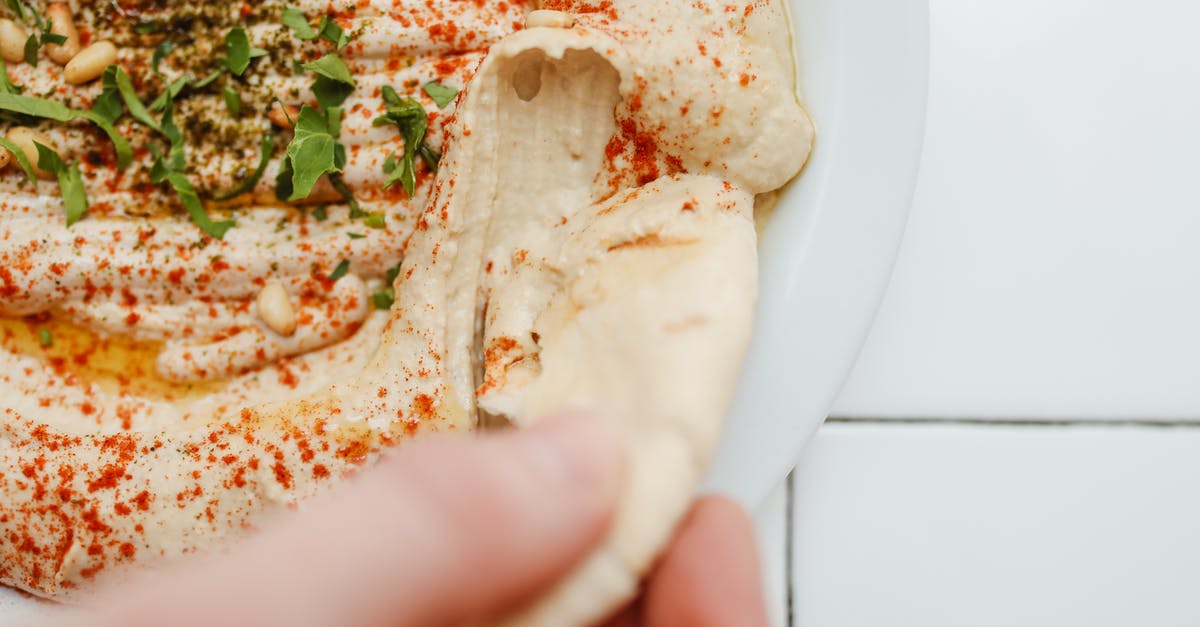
161,52
409,116
356,235
114,75
149,27
376,221
18,7
332,32
59,112
108,104
312,152
334,83
6,84
332,67
384,299
295,19
44,338
70,182
340,271
331,93
320,214
31,50
268,142
239,52
442,94
22,160
195,208
233,102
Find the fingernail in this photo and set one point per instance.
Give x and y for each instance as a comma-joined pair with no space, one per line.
578,449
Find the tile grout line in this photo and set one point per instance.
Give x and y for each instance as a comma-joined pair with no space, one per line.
788,546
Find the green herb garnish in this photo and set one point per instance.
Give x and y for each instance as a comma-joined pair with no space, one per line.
70,182
442,95
384,299
312,153
334,83
114,75
22,160
352,235
340,271
233,101
268,142
239,52
149,27
296,20
376,221
18,7
59,112
44,338
410,118
6,84
160,53
332,32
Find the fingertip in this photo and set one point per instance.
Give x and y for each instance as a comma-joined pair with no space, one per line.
710,576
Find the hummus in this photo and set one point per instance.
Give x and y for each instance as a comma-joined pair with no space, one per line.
586,240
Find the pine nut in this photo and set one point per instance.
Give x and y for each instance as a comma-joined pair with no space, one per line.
12,41
90,63
24,137
547,18
62,22
275,309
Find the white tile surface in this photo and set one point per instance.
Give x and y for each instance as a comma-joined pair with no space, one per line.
1051,267
947,526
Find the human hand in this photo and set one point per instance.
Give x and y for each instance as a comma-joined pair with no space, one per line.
451,531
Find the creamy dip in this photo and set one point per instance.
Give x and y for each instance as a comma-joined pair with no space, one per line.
600,168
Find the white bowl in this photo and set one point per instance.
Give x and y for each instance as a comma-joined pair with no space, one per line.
828,251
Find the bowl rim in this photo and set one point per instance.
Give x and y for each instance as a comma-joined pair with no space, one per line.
828,250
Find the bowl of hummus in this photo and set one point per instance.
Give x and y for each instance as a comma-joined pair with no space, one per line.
248,248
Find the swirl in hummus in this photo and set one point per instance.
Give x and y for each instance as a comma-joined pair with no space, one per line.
578,213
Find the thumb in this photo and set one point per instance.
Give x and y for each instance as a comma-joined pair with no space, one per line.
449,529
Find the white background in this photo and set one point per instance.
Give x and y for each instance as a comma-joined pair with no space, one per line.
1050,275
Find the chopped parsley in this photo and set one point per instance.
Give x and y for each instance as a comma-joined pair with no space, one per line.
114,75
410,118
233,102
59,112
22,160
386,297
313,152
334,83
238,51
295,19
332,32
352,235
70,182
6,84
264,159
442,95
149,27
376,221
340,271
44,338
